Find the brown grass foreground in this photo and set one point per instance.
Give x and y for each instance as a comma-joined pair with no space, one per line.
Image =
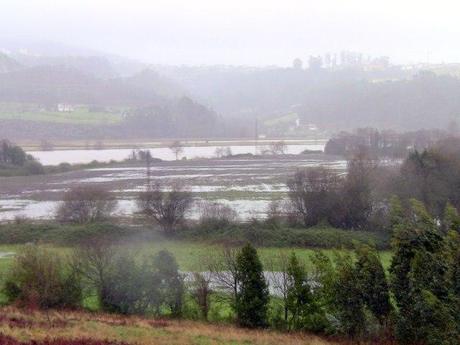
20,327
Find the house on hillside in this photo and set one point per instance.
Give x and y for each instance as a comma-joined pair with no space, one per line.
65,108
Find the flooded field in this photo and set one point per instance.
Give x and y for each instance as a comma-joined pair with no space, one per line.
246,184
164,153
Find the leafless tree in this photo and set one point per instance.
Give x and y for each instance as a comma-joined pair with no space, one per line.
280,279
224,269
313,193
86,204
94,261
217,213
278,147
177,148
219,152
274,212
223,152
201,291
167,208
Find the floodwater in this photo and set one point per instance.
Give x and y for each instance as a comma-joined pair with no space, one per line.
164,153
246,184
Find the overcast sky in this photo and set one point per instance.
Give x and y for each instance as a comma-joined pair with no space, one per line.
249,32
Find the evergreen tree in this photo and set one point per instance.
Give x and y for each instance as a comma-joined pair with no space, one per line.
453,245
302,308
451,219
167,284
324,274
396,213
413,233
372,282
348,301
253,296
420,281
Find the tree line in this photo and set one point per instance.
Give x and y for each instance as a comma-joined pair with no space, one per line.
386,143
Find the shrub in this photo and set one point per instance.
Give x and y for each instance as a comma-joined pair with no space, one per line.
216,215
39,278
165,208
125,287
85,205
267,235
33,167
62,234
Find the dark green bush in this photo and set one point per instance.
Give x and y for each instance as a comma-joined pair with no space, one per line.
25,232
262,235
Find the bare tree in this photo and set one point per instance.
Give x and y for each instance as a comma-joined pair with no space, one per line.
177,148
94,261
219,152
86,204
224,269
278,147
313,193
274,213
280,279
167,208
201,292
214,213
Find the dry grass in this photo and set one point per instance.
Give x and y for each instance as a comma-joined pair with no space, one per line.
39,326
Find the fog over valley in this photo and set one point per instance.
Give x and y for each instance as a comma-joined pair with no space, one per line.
229,172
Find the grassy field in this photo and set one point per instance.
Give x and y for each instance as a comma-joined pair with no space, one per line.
190,255
81,115
21,327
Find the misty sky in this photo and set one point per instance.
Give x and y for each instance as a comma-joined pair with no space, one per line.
250,32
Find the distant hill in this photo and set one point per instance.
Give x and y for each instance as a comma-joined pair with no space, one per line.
424,101
147,105
149,79
57,84
250,92
96,66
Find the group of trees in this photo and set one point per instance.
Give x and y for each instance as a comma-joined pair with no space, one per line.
14,157
179,118
323,195
417,301
40,278
424,275
385,143
360,198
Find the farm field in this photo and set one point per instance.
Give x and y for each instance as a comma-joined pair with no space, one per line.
81,115
190,255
